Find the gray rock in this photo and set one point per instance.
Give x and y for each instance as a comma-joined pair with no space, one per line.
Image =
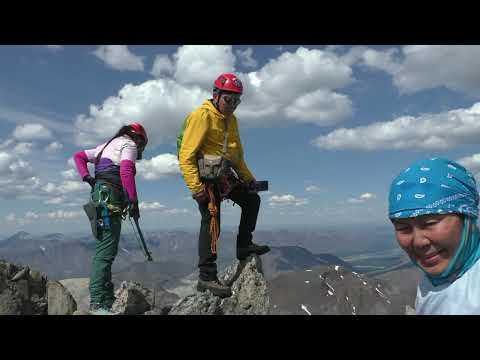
78,287
20,292
133,299
60,301
409,310
81,312
249,293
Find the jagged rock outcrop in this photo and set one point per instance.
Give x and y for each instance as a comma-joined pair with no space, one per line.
22,290
60,301
249,293
409,310
133,299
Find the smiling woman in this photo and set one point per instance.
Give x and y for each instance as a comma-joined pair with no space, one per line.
433,205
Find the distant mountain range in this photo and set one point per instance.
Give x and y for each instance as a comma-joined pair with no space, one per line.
287,266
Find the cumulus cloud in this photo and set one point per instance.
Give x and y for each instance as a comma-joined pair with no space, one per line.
320,107
31,132
472,163
53,147
200,65
301,86
158,167
160,105
162,66
151,206
10,218
23,148
32,216
420,67
55,200
246,58
69,186
70,174
176,211
13,172
119,57
286,200
362,198
53,47
427,132
313,189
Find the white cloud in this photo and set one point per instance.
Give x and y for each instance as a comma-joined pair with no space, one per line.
31,215
286,200
294,87
159,166
69,186
151,206
31,132
471,163
54,47
313,188
320,107
119,57
55,200
362,198
246,58
23,148
160,105
431,131
70,174
176,211
162,66
53,147
420,67
201,64
5,161
63,215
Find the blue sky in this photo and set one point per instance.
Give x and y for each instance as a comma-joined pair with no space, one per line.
328,126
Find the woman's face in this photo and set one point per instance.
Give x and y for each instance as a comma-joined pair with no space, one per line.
430,240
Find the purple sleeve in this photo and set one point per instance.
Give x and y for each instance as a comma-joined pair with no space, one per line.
81,160
127,174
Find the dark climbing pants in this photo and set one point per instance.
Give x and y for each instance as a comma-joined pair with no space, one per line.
250,205
101,286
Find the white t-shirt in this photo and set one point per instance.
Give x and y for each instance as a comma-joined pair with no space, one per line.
462,297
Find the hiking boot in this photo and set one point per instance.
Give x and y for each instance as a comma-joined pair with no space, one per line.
101,310
215,286
243,252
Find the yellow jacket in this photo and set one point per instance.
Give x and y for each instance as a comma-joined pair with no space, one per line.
204,134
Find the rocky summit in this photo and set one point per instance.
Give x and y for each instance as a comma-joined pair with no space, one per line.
249,293
321,290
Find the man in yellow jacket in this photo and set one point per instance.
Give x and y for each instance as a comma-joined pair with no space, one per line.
204,133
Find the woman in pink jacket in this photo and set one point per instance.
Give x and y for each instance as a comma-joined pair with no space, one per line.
113,190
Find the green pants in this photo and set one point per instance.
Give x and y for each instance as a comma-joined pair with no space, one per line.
101,286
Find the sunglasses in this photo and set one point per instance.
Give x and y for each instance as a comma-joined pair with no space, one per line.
232,99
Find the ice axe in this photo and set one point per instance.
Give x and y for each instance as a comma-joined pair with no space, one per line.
141,239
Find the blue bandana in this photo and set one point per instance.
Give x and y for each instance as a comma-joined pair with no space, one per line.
440,186
433,186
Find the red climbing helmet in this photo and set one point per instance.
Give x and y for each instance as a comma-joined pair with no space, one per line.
140,130
229,82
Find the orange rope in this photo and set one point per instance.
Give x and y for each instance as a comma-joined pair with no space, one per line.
214,226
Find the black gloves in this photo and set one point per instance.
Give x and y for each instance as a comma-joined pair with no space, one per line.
133,210
252,186
88,179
